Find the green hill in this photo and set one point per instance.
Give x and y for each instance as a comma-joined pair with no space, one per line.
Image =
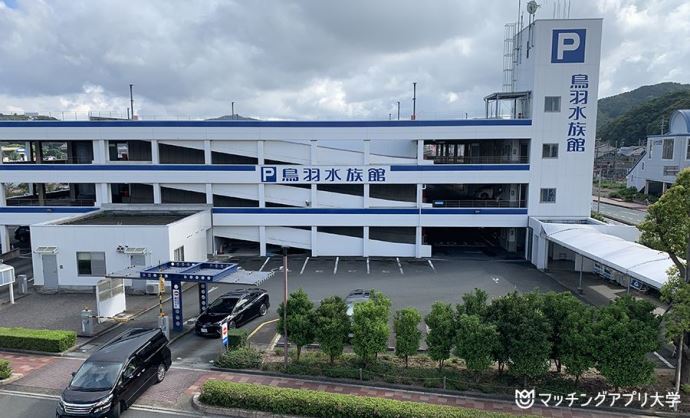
628,118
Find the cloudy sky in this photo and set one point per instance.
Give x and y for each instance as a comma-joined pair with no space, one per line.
309,59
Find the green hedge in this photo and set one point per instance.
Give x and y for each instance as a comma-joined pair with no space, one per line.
240,358
5,369
311,403
237,337
50,341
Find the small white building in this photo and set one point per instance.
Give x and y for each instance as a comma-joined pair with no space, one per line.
76,252
665,156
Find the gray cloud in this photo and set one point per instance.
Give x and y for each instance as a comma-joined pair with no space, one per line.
301,59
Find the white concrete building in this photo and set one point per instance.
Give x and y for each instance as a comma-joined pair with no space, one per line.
665,156
412,188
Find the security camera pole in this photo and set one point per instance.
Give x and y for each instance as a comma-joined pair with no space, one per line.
285,304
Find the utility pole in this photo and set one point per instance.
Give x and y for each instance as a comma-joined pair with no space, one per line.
131,100
285,306
233,110
414,101
398,109
599,182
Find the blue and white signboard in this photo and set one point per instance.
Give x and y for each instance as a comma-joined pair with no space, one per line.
323,174
577,118
568,46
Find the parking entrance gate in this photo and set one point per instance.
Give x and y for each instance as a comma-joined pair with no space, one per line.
203,273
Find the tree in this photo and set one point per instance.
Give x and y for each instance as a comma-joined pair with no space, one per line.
370,327
577,350
676,292
624,334
439,340
530,347
300,320
407,334
474,342
474,303
332,326
501,313
557,308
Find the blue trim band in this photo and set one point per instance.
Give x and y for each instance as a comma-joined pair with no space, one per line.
46,209
262,123
372,211
128,167
462,167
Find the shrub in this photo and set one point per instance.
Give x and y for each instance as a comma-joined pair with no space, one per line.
237,337
370,327
240,358
5,369
332,326
300,320
51,341
441,325
407,334
310,403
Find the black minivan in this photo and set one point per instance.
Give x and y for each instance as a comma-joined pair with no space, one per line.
113,377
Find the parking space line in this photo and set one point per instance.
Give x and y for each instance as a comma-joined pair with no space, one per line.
335,268
669,365
431,265
264,264
397,260
251,334
274,341
368,265
304,266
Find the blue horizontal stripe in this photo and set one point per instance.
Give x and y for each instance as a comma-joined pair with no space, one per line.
262,123
462,167
128,167
372,211
46,209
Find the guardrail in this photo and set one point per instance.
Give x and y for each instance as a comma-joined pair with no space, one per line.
483,159
483,203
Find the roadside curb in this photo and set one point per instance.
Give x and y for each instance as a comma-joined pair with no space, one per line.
37,353
11,379
234,412
477,396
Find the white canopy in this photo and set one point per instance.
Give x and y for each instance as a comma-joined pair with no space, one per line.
639,262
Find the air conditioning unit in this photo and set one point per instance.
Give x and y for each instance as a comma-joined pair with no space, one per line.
152,289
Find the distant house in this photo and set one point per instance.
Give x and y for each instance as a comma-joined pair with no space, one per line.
615,163
664,157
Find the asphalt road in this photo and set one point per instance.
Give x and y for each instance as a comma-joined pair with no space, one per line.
629,216
21,405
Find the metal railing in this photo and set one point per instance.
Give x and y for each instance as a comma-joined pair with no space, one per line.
479,203
482,159
61,161
23,201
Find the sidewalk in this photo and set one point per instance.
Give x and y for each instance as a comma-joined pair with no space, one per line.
621,203
43,374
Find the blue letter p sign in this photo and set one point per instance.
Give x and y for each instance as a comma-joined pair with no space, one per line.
268,174
568,46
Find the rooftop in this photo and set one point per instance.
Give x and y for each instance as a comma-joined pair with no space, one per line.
112,217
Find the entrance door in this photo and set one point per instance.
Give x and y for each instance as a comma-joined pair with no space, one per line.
50,273
139,260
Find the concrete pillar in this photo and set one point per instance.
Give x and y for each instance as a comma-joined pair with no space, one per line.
366,157
41,190
313,151
28,153
314,196
103,194
4,239
314,243
155,152
157,193
365,242
39,152
209,194
420,151
262,241
208,154
418,242
3,197
260,152
365,199
542,253
100,151
262,195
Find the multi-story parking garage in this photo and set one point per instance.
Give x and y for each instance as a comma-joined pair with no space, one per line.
354,188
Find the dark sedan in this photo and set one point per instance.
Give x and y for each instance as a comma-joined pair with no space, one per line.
236,308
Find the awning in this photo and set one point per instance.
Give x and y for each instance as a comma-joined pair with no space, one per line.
639,262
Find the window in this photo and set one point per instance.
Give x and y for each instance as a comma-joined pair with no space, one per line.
667,153
552,104
549,151
91,264
178,254
687,151
548,196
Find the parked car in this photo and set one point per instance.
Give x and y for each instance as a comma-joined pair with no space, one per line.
355,297
23,235
113,377
236,308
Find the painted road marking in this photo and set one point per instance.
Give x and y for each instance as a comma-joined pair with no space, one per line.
670,366
397,260
261,325
213,289
304,266
335,268
274,341
431,265
264,264
368,271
